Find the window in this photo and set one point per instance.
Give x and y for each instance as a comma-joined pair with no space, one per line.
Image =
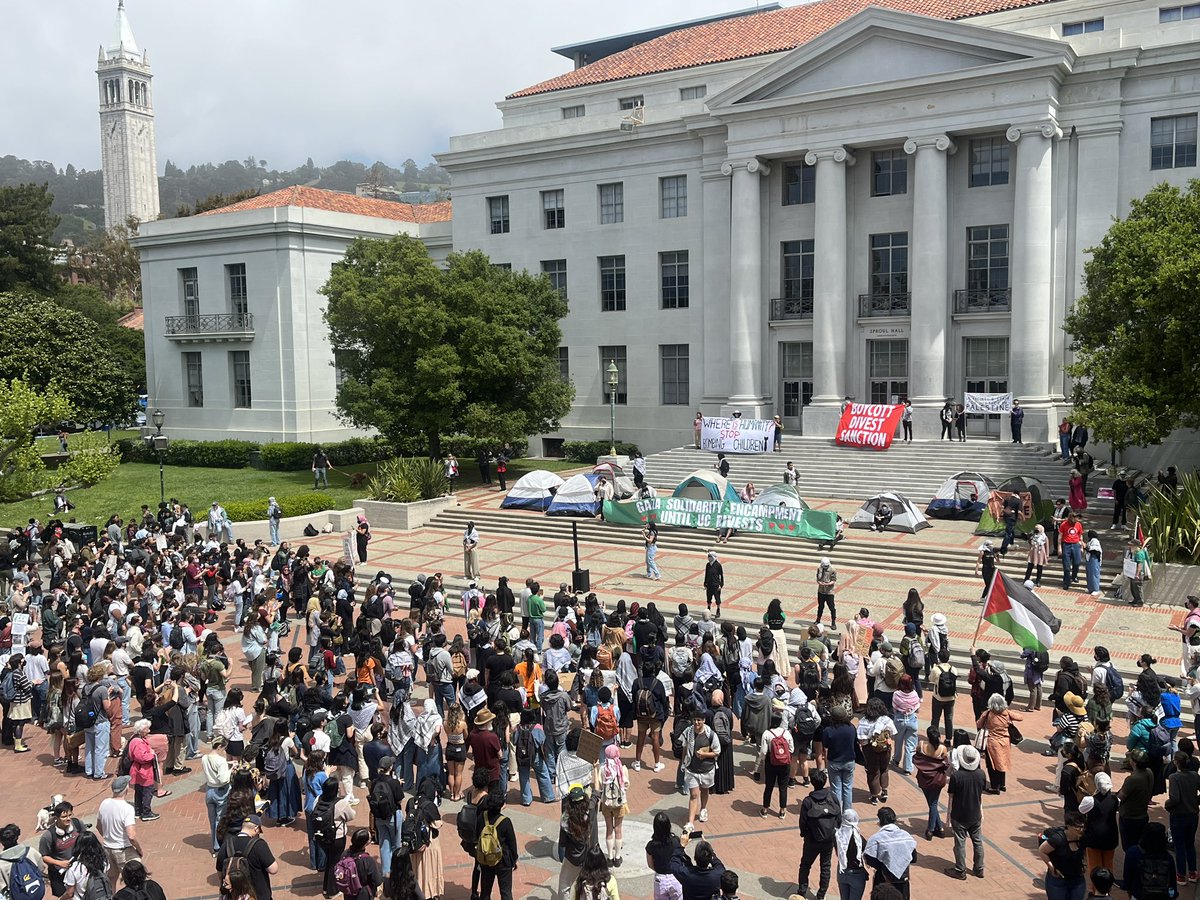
239,362
672,192
235,277
796,367
554,213
1178,13
612,283
189,284
797,270
673,269
498,214
987,258
193,378
633,102
1173,142
341,367
889,173
615,355
1071,29
889,264
612,203
504,267
989,162
694,92
674,363
887,370
799,184
573,112
556,271
564,365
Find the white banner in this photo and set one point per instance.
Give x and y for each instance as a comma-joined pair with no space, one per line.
737,435
989,404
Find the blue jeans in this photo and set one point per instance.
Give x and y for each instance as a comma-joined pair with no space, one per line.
215,800
321,476
216,702
404,765
545,788
389,836
1093,574
651,564
429,762
841,782
932,796
851,884
537,632
1064,445
1183,832
1010,534
96,747
273,527
38,701
443,695
553,747
239,606
1059,888
126,696
1071,559
906,741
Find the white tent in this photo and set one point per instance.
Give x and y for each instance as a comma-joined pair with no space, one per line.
964,495
533,490
782,495
576,497
905,517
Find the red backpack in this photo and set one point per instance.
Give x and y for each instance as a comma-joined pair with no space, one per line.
606,722
781,753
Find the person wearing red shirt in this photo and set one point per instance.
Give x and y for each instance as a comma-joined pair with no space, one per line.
485,745
1070,534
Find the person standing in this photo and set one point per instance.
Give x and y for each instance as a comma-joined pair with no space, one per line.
502,470
1076,491
777,436
891,851
484,460
1016,418
1063,852
114,822
490,818
1039,555
143,770
320,470
451,470
998,721
1070,535
775,750
986,561
840,741
650,536
1140,563
852,873
697,423
1012,512
274,517
966,814
820,814
826,585
947,418
362,537
945,690
639,469
470,542
700,750
1064,439
714,580
906,421
1183,808
960,422
250,845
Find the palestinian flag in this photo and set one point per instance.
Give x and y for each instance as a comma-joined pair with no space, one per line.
1013,607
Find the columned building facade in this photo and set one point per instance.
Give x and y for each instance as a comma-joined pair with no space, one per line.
897,206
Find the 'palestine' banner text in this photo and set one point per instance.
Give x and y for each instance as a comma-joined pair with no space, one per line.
713,515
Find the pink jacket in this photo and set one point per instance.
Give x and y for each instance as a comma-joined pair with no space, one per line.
142,756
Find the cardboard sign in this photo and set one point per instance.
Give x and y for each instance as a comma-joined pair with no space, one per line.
870,425
590,745
737,435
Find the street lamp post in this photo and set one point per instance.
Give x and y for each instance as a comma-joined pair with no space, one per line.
160,441
614,378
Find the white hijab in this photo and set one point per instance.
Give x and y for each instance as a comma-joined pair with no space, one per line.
427,726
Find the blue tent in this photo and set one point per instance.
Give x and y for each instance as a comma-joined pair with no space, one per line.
534,490
576,497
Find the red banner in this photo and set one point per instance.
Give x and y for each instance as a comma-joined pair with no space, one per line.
869,425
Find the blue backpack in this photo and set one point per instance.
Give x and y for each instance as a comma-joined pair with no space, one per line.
1114,682
25,882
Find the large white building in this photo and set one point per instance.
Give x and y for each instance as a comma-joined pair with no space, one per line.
868,198
128,157
236,345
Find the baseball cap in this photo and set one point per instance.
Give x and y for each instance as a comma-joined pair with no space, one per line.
121,784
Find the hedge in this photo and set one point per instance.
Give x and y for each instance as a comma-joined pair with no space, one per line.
292,456
587,451
228,454
292,505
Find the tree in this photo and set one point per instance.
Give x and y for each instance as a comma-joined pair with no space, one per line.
126,346
1136,328
46,345
116,266
469,350
26,227
22,409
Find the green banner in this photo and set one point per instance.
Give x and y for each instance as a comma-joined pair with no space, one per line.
714,515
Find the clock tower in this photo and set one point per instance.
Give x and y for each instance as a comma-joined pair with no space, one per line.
127,153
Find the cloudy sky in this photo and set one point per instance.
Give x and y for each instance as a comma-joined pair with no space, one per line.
286,79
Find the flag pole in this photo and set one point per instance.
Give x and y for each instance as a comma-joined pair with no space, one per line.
983,609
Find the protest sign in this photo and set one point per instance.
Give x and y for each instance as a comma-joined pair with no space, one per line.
714,515
868,425
736,435
987,404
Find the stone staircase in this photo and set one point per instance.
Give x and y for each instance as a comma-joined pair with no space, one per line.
826,470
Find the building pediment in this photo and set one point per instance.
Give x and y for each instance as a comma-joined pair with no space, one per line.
881,48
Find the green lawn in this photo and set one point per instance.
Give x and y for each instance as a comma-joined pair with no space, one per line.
136,483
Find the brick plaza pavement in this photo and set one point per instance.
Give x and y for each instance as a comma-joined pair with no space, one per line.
765,852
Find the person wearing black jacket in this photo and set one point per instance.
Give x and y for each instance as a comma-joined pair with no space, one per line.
702,878
820,814
714,580
491,809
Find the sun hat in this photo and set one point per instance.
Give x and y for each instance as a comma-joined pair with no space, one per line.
968,758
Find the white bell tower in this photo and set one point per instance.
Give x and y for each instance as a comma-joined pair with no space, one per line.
127,153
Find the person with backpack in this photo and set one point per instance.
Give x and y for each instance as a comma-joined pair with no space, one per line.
681,667
701,879
21,875
701,747
945,691
87,877
603,715
529,744
775,749
555,705
610,782
331,816
138,884
1183,809
820,815
1149,872
496,851
875,733
1100,834
248,853
57,844
650,705
357,874
92,719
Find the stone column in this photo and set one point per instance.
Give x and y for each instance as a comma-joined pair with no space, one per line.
830,300
928,277
1032,264
745,282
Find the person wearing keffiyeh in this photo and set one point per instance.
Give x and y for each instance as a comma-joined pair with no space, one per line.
891,851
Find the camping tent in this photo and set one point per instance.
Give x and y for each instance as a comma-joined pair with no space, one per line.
576,497
608,470
963,495
533,490
706,484
782,495
1036,504
905,517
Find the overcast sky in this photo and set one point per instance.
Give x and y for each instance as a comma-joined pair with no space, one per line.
286,79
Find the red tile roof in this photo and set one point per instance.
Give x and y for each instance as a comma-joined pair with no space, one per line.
135,319
740,38
336,201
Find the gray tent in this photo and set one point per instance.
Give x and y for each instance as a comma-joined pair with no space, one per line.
905,517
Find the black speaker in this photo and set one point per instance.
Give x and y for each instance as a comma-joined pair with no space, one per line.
581,580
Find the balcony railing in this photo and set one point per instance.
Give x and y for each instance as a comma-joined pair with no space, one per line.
791,308
870,305
983,301
213,326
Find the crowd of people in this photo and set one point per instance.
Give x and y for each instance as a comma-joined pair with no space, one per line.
367,723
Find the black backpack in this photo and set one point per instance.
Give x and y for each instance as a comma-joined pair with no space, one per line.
382,800
414,832
324,828
526,746
822,821
947,683
1041,661
468,819
374,609
810,674
1158,878
175,638
645,703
